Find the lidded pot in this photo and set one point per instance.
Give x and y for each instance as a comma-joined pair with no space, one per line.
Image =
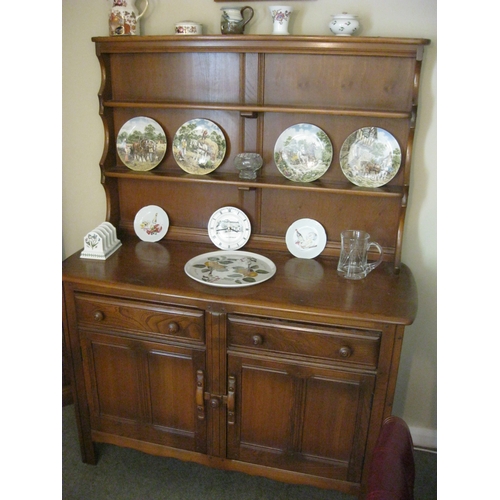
344,24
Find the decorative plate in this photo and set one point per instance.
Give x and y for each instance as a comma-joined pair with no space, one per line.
370,157
141,144
199,146
303,153
151,223
230,269
229,228
306,238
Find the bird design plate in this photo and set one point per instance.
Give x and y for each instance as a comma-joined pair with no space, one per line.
230,269
306,238
141,144
370,157
303,153
199,146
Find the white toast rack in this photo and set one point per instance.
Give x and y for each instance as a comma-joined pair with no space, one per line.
101,242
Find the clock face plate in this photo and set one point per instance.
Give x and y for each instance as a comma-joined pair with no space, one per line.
229,228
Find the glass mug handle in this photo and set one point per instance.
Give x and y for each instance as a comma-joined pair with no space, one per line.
372,265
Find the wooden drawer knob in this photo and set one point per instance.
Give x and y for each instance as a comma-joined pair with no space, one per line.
345,352
98,316
173,327
257,340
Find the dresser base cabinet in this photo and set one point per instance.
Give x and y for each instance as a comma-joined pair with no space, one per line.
263,379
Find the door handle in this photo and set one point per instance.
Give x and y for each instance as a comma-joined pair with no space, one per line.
200,387
231,388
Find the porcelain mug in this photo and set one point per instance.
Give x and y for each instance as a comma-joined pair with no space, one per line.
232,20
353,263
281,16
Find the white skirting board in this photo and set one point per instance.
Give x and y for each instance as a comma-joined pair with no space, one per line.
424,438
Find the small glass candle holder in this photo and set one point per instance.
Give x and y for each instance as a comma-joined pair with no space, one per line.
248,164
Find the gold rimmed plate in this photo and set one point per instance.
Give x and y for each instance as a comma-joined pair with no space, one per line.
199,146
141,144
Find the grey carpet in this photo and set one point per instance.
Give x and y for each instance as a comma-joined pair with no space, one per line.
124,474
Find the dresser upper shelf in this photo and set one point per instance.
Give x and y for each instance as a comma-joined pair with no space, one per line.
382,46
255,87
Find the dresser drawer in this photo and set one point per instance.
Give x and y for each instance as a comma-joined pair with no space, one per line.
351,346
123,315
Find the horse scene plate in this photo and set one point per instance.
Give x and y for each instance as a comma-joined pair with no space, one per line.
141,144
370,157
303,153
199,146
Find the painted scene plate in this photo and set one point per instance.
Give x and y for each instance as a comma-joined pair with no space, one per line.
151,223
306,238
199,146
141,144
370,157
303,153
230,269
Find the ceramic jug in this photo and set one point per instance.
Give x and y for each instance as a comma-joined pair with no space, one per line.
124,18
233,21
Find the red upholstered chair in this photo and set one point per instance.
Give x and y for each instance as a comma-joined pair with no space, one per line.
392,469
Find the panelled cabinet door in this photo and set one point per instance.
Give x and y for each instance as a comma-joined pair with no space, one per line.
145,390
300,418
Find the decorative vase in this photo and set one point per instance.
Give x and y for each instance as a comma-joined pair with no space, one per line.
232,20
124,18
344,24
247,164
281,16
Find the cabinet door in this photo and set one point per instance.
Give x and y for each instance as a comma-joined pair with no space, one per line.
299,417
145,390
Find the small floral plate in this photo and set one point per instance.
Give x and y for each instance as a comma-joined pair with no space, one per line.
229,269
151,223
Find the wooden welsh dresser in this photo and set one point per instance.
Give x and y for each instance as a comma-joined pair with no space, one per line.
292,378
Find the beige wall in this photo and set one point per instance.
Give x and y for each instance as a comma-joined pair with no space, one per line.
83,200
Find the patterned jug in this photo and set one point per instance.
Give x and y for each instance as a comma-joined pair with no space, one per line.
124,18
232,20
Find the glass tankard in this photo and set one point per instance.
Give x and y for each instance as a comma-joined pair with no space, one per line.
353,263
